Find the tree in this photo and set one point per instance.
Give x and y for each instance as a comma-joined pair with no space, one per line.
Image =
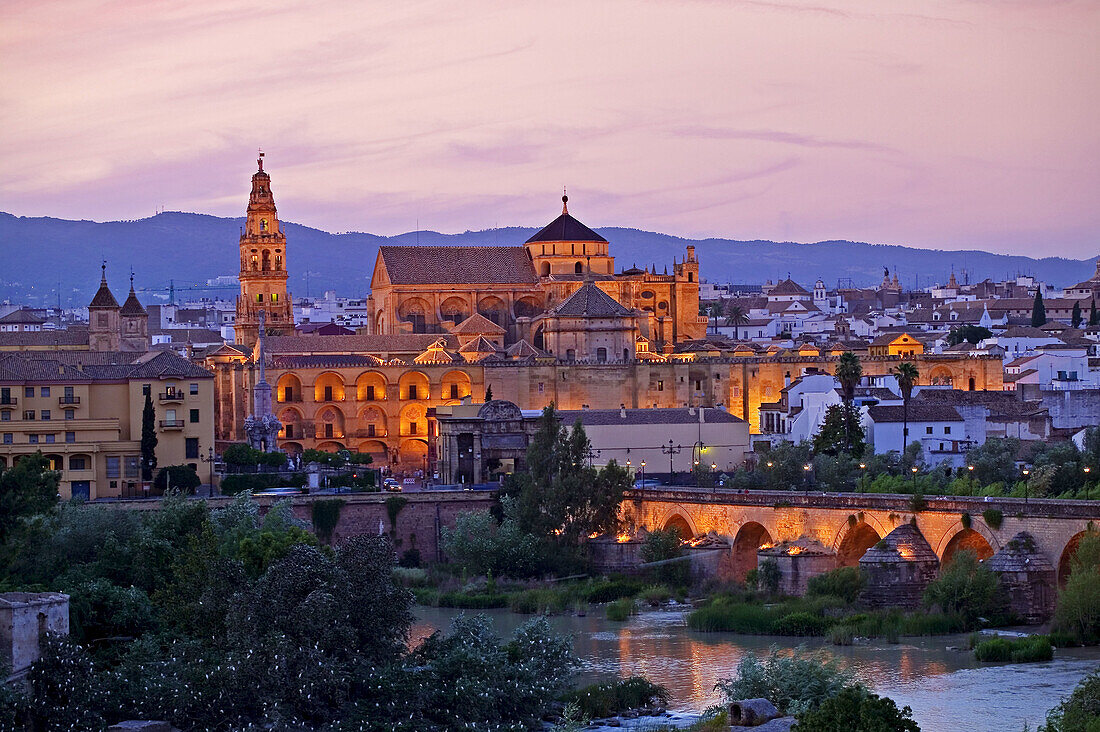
794,682
1078,608
148,439
1038,311
736,316
177,477
841,431
906,374
488,393
848,372
1075,314
1081,711
995,460
27,488
970,333
562,498
1094,316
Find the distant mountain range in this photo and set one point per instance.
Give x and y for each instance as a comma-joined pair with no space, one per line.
190,249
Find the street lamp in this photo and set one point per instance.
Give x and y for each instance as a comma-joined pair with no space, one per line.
1026,473
670,451
862,477
1087,471
643,474
209,459
807,468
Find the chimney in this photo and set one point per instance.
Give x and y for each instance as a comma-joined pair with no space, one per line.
622,411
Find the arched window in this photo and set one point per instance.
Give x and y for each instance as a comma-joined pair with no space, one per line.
274,297
263,224
278,261
691,277
266,261
545,269
601,355
577,268
255,263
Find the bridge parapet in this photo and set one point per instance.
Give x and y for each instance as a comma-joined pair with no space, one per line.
897,502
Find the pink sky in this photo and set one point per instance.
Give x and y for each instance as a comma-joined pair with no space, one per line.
940,123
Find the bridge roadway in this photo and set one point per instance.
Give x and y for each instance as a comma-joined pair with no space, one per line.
851,523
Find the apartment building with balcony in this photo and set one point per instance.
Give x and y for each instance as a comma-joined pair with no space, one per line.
83,411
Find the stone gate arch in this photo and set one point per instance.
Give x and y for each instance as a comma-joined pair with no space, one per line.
1065,560
679,516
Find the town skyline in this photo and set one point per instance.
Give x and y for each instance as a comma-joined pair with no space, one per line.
779,121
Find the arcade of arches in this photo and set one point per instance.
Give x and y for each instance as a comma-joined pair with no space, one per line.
746,523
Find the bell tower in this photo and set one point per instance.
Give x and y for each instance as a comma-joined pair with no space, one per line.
263,265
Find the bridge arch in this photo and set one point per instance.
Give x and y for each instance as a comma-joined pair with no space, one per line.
978,539
855,538
1065,561
679,516
750,537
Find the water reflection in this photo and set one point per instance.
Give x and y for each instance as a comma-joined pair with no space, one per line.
947,690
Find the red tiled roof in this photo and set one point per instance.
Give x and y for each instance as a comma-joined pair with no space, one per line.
437,265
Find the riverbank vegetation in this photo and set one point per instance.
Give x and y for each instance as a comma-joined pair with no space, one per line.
223,619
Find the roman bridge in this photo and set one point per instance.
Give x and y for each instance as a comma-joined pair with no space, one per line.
851,523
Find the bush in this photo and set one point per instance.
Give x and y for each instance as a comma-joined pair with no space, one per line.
966,588
993,518
732,616
858,710
846,583
800,624
1081,711
478,544
539,600
326,514
611,590
795,683
609,699
655,595
841,635
621,610
768,576
410,558
177,478
1017,650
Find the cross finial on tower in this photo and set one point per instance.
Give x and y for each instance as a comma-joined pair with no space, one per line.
131,279
103,268
564,201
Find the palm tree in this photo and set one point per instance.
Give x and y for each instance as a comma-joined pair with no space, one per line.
906,374
848,372
736,316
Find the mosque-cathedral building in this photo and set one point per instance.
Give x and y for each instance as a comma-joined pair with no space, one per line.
547,322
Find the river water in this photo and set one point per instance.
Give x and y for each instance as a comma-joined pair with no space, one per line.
947,690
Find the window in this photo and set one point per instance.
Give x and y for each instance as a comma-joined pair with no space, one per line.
8,438
28,391
194,389
45,391
5,416
454,391
33,439
947,430
78,462
69,392
274,297
660,386
414,428
146,389
51,439
70,414
735,392
289,431
412,391
370,393
70,437
101,320
133,466
698,385
46,415
328,393
601,355
114,466
28,414
928,430
370,430
542,387
193,416
259,297
191,448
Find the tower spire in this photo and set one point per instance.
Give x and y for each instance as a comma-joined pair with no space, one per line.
103,274
564,201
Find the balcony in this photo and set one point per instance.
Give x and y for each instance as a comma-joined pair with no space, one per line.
170,396
68,400
171,424
8,401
